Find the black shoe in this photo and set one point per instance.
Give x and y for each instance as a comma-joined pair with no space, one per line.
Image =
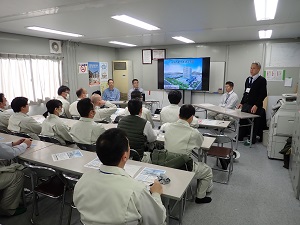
224,163
203,200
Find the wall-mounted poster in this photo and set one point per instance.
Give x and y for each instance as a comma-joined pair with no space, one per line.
103,76
94,73
82,68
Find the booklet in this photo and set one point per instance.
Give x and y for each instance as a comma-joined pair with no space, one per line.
67,155
148,175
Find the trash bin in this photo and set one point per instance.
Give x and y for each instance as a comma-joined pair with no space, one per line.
265,137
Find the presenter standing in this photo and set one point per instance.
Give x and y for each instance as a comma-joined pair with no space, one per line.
252,102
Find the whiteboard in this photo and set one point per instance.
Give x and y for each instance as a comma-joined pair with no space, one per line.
217,76
283,54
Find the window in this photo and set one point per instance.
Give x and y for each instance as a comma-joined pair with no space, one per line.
34,77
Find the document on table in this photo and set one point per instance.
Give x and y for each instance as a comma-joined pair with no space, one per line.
207,104
148,175
130,169
67,155
207,122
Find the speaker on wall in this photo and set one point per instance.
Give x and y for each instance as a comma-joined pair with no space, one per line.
55,46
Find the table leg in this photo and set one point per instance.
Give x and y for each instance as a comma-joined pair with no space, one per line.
237,133
251,133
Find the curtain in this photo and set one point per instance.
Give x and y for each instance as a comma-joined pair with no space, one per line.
70,68
34,77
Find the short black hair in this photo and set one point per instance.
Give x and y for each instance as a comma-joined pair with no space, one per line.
1,97
134,106
79,92
51,105
97,92
136,94
186,111
174,97
18,102
111,146
84,106
134,80
110,80
230,83
62,89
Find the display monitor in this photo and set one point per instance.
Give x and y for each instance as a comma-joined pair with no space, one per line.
184,74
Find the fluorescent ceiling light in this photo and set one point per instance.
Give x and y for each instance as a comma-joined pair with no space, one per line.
264,34
265,9
183,39
121,43
54,31
135,22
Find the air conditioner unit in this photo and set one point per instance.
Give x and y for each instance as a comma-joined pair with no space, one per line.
55,46
123,75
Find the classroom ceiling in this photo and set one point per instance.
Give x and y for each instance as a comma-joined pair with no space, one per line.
200,20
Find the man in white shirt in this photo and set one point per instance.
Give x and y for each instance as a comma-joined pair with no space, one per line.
139,130
4,114
181,138
86,131
20,121
135,87
110,196
11,178
146,114
103,109
63,95
229,100
81,94
170,113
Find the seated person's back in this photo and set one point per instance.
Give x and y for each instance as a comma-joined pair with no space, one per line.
86,131
102,114
53,126
180,138
138,130
146,114
20,121
109,195
81,94
170,113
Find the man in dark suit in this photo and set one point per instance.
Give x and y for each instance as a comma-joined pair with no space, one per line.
252,102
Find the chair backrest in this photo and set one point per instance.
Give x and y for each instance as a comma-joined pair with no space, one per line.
5,131
70,181
46,138
20,134
220,138
75,117
134,155
86,147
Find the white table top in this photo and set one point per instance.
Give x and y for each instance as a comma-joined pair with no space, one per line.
235,113
175,189
36,145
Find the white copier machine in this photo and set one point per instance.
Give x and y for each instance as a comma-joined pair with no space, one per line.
281,125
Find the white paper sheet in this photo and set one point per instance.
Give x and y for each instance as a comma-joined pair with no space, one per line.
130,169
67,155
94,164
288,82
148,175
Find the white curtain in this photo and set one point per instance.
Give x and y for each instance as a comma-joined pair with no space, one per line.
34,77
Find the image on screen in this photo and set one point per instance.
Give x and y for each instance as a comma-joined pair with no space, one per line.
184,74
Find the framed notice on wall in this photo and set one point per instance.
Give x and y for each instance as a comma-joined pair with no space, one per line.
158,54
147,56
